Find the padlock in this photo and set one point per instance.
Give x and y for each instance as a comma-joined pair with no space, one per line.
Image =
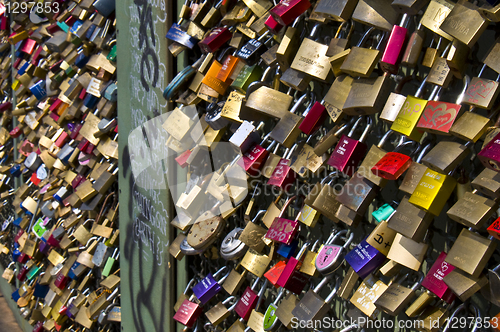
252,234
179,35
283,230
446,155
472,210
463,284
271,321
232,247
325,201
394,164
408,252
465,23
331,256
311,57
410,221
361,61
470,126
438,117
409,115
471,261
286,131
248,301
378,14
337,95
206,229
309,264
415,172
487,183
364,259
394,48
368,292
433,281
286,11
188,313
349,152
489,155
283,175
218,313
291,278
395,299
215,39
208,287
329,139
358,193
234,281
312,307
394,102
367,95
253,49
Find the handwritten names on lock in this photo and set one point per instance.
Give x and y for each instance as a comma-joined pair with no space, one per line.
282,230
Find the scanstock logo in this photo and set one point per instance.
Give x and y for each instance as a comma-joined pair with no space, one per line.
162,147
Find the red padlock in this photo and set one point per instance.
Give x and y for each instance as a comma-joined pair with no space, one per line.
494,229
313,118
22,273
188,313
215,39
273,26
16,132
349,152
255,156
274,273
61,281
283,175
288,10
291,278
182,158
283,230
394,164
248,301
439,116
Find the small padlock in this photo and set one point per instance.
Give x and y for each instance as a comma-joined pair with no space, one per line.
331,256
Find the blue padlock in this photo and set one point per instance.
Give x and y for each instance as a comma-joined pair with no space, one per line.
41,291
364,259
209,287
178,35
38,90
287,250
23,68
90,101
16,170
111,92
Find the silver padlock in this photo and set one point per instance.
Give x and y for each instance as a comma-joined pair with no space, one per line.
232,248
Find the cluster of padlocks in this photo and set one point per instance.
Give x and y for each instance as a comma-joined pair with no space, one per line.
59,162
378,202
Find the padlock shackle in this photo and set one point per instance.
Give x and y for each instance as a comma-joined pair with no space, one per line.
296,106
329,176
302,251
232,297
421,88
261,294
353,129
220,271
365,37
367,129
279,296
461,96
334,291
342,25
460,308
322,283
423,152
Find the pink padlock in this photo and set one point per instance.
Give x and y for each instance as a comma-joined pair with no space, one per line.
283,230
395,47
288,10
291,278
490,154
283,175
349,152
248,301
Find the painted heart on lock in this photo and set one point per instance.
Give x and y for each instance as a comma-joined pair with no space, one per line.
481,88
439,116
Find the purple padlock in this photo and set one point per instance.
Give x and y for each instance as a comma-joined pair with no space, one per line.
364,259
44,247
209,287
490,154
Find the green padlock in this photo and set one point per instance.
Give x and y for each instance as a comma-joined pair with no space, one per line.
39,229
383,213
34,271
112,54
247,75
109,263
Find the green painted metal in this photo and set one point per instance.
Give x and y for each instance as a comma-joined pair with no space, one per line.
147,270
